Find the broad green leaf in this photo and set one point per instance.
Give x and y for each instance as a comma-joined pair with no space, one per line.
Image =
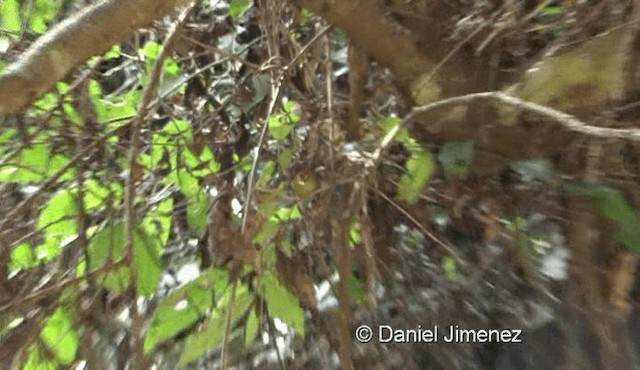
60,336
281,124
37,361
157,222
279,127
610,204
265,176
57,220
285,157
354,233
419,168
251,329
7,136
283,304
22,257
114,108
184,307
203,164
387,124
114,52
151,50
288,213
211,334
455,157
97,194
185,181
43,13
35,163
267,231
57,217
147,250
238,7
10,16
197,211
357,290
109,244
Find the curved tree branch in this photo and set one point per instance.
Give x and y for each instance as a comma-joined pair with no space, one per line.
90,32
378,36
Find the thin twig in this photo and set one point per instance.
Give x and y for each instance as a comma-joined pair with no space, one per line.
59,287
130,221
566,120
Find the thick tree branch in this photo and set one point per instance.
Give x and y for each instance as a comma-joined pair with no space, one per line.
378,36
88,33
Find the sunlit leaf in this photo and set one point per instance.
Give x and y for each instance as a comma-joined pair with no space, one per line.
251,329
184,307
37,361
109,244
10,16
419,169
60,336
43,13
237,7
283,304
197,211
22,256
35,163
211,334
57,220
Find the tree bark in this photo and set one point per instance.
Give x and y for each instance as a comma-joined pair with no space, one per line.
90,32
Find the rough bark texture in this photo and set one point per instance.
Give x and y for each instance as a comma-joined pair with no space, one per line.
79,37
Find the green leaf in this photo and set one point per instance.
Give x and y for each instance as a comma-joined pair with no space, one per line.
551,10
60,336
146,258
455,157
419,168
197,211
184,307
267,231
114,108
109,244
35,163
57,220
57,217
388,123
238,7
357,290
266,174
537,168
288,213
22,257
610,204
38,361
251,329
450,268
44,12
283,304
10,16
281,124
211,334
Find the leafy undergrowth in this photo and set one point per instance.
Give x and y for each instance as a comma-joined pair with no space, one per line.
247,194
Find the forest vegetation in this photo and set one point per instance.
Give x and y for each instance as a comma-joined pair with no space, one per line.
246,183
